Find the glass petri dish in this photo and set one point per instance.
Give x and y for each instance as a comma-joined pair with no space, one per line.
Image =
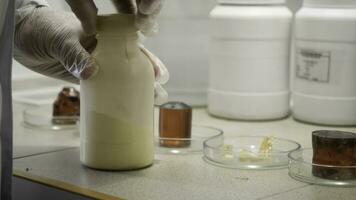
301,169
41,118
243,152
187,145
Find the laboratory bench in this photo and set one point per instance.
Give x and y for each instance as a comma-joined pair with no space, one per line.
29,141
51,160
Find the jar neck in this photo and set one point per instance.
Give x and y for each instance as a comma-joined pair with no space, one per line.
116,25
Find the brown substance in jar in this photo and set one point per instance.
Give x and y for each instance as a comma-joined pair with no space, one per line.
334,148
175,121
67,105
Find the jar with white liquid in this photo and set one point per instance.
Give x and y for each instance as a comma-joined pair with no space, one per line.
117,104
249,59
324,70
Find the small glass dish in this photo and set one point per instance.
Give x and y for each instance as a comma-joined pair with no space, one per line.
301,168
187,145
244,152
41,118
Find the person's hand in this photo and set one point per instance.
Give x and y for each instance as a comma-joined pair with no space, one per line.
57,44
54,43
146,12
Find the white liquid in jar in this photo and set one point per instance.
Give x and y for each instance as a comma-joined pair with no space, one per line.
117,104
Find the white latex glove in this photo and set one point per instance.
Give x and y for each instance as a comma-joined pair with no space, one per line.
53,43
146,12
57,44
161,74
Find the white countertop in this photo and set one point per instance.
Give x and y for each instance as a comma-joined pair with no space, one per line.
173,176
29,141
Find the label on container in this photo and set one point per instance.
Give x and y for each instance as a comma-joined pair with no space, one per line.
313,65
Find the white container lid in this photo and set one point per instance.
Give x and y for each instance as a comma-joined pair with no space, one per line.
253,2
330,3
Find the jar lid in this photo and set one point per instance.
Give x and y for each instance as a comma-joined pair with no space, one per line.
252,2
330,3
175,105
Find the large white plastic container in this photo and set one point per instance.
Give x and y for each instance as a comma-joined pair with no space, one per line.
182,44
249,66
324,73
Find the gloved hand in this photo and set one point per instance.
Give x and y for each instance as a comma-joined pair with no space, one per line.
146,12
53,43
161,74
56,43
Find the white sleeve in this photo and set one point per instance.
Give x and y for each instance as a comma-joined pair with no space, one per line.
25,7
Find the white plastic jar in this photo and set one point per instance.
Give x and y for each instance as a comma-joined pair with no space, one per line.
324,72
116,111
249,66
182,44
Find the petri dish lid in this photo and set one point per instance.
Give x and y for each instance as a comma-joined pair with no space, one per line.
184,146
41,118
243,152
252,2
301,169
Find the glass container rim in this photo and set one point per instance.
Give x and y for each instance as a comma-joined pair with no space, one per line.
297,145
